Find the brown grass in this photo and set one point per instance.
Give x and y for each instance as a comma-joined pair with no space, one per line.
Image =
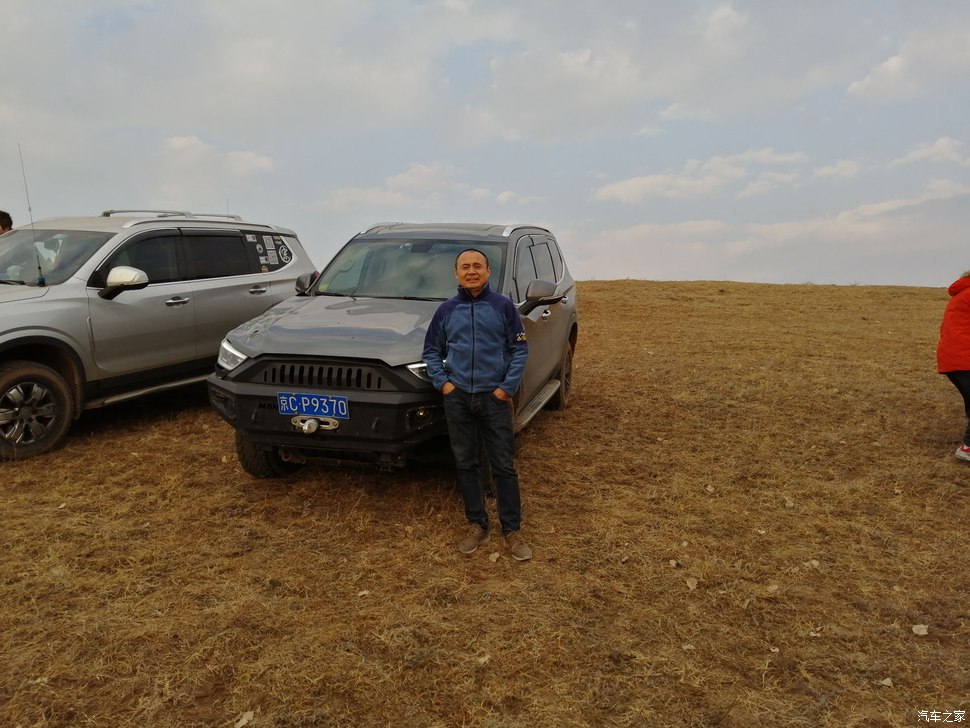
748,507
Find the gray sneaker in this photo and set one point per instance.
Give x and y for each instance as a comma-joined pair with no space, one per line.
520,550
474,537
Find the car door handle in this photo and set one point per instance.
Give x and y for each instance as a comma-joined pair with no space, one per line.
177,301
257,289
565,300
547,313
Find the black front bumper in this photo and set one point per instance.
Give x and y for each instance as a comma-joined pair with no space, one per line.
385,428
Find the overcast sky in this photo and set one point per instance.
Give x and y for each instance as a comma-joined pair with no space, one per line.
788,142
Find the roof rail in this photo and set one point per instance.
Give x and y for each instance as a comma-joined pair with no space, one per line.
109,213
222,215
381,224
174,213
509,228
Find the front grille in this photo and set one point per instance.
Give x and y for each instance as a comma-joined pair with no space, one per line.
323,375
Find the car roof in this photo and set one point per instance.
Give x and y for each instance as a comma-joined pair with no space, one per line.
118,220
462,230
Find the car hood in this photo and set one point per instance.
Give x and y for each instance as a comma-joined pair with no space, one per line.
21,293
388,330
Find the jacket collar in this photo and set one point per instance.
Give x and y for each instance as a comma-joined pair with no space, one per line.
463,292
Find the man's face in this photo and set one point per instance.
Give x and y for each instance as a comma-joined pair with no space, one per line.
472,271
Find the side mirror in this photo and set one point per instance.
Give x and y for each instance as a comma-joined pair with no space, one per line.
123,278
305,281
539,293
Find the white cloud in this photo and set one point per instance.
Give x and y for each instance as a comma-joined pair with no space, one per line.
846,247
526,92
943,149
879,222
193,158
844,169
766,182
420,186
890,79
423,178
186,168
679,111
723,24
928,59
249,163
661,249
349,198
704,179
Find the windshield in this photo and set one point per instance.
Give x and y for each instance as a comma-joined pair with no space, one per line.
46,257
403,268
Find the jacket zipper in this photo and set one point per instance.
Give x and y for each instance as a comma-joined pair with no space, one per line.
474,341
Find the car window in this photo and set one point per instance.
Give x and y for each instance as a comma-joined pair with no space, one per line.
557,263
216,256
156,255
525,269
272,251
31,253
402,268
543,260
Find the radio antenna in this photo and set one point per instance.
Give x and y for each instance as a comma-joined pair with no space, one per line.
41,281
30,212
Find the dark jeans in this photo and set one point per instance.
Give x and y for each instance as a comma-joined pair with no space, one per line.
468,416
961,380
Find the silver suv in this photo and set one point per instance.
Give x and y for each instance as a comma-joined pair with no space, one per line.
336,374
100,309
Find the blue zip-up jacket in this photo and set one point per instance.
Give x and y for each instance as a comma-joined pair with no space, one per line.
478,344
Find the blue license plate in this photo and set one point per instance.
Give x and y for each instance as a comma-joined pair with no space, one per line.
314,405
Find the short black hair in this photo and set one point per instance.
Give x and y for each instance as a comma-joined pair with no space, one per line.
6,221
472,250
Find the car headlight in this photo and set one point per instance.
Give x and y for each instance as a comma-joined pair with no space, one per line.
420,370
229,357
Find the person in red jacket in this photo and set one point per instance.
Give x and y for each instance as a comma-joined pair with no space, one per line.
953,351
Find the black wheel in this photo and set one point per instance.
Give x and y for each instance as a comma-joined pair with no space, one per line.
36,409
260,462
560,400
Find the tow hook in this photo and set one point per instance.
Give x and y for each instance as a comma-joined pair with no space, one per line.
309,425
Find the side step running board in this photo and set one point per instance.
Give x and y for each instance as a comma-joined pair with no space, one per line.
125,396
525,415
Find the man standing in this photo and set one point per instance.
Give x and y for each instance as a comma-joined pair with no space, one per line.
6,223
476,352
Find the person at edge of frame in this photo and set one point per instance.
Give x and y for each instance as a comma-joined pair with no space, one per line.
953,350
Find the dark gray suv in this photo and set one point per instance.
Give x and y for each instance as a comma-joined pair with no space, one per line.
104,308
336,373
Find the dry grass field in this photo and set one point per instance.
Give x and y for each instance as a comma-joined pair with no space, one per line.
750,515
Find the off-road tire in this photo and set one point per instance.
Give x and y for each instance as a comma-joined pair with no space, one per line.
36,409
260,462
560,400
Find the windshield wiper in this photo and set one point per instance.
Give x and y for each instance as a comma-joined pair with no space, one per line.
10,282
